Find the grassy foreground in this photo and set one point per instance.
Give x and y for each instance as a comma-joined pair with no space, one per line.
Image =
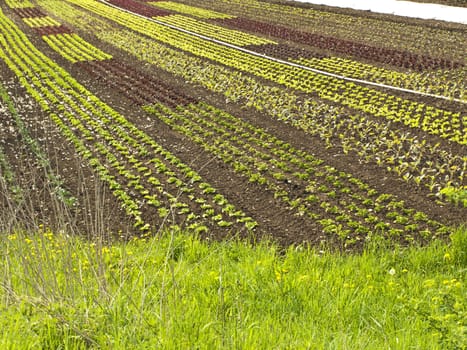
179,292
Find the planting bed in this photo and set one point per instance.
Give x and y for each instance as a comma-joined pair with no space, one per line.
185,131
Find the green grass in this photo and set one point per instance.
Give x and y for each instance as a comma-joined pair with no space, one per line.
179,292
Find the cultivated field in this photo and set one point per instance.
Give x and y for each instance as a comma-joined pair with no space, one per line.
236,117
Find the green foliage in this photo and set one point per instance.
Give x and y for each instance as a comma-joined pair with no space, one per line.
459,247
19,3
445,310
177,291
74,48
424,82
214,31
456,195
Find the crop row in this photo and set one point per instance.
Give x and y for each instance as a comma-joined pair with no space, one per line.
54,30
416,159
17,4
73,48
286,51
392,57
426,40
139,24
137,169
445,84
42,24
411,157
189,10
139,88
230,36
344,206
43,21
217,32
414,114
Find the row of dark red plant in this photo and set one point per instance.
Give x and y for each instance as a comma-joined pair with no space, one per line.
53,30
29,12
139,88
397,58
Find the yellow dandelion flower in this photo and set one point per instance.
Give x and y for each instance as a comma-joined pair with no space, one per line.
278,276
